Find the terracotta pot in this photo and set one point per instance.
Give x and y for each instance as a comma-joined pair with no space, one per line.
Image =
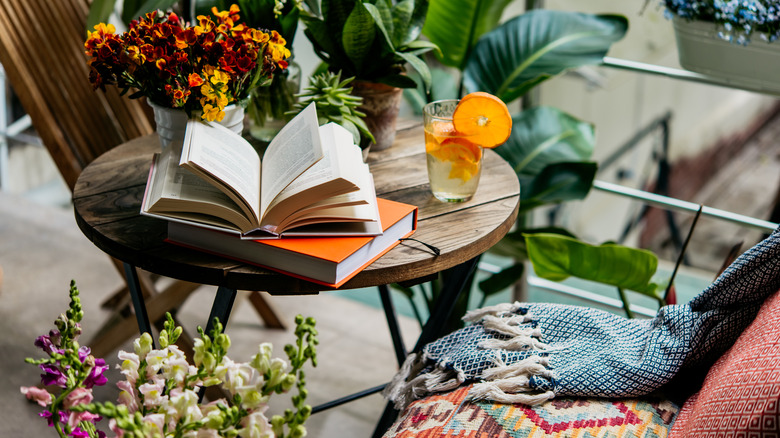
381,104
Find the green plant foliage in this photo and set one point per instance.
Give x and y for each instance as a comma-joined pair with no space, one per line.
537,45
335,104
555,257
546,135
371,40
456,25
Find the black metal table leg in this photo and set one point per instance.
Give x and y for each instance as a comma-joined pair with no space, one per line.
144,325
223,304
457,277
392,324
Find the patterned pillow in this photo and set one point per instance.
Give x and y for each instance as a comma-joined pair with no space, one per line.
448,415
741,392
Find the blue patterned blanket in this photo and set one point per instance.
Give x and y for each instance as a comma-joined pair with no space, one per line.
532,352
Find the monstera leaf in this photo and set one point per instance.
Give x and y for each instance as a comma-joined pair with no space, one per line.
539,44
456,25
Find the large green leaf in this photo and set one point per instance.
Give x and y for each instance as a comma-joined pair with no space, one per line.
545,135
559,182
456,25
537,45
358,36
555,257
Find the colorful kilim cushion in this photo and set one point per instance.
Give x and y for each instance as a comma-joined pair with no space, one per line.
450,415
532,352
741,393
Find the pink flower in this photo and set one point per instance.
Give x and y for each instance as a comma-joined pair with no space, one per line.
77,397
127,395
77,417
40,396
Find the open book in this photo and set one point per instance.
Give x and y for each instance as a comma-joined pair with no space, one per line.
309,175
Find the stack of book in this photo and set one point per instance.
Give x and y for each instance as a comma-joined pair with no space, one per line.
308,208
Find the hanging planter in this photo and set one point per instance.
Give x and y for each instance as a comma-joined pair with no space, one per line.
701,49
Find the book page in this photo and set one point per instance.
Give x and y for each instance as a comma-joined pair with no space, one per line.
226,159
294,149
177,192
341,171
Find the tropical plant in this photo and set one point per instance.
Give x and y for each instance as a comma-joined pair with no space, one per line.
549,149
335,104
370,40
737,20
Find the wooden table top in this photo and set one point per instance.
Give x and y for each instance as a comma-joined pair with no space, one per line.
107,201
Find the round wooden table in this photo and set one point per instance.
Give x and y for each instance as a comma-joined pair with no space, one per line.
107,200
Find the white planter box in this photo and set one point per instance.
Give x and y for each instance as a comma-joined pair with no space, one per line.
755,66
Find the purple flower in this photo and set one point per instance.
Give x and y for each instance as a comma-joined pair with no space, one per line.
96,377
52,376
84,353
49,343
47,415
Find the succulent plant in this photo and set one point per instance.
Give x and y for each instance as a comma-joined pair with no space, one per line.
335,104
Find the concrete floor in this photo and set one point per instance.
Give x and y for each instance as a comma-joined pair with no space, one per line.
41,250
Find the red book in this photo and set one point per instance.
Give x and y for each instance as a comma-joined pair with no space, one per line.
329,261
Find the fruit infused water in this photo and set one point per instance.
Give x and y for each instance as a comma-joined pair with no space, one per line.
456,131
454,162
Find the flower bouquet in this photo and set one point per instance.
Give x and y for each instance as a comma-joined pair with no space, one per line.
267,105
161,394
200,68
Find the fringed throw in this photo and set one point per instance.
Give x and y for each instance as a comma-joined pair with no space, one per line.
531,352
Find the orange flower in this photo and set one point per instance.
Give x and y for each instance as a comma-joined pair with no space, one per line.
194,80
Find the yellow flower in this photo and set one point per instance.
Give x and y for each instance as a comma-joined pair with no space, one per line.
212,113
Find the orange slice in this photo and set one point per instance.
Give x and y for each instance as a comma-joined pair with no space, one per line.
483,118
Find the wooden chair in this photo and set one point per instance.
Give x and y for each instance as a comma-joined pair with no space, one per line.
42,51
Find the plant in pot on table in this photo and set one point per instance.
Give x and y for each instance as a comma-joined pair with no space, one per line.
372,41
204,70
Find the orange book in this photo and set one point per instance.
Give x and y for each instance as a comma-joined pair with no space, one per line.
329,261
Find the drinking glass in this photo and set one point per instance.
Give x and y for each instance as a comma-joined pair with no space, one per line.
454,160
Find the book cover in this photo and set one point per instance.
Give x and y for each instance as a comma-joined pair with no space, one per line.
330,261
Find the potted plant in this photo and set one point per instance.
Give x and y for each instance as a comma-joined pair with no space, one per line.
372,41
335,103
186,71
729,39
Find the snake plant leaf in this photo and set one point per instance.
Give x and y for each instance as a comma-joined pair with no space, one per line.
537,45
402,19
317,32
559,182
335,14
419,65
383,20
545,135
130,10
358,35
555,257
456,25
